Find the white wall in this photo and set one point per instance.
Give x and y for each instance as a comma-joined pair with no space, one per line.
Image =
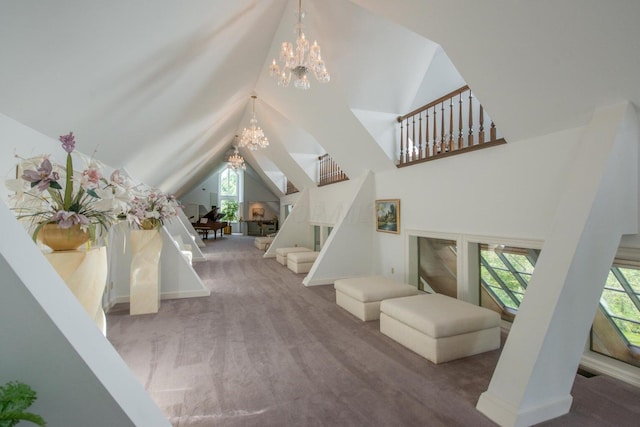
511,190
201,193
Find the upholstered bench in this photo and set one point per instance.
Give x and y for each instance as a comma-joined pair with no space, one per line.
301,262
440,328
263,243
361,296
281,253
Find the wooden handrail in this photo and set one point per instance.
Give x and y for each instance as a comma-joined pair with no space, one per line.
431,131
329,172
434,103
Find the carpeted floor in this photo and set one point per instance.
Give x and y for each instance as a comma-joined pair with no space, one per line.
263,350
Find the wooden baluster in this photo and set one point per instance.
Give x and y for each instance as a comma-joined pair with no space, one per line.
332,170
492,132
451,124
442,134
460,137
436,146
481,129
426,139
420,156
413,133
470,120
406,151
401,140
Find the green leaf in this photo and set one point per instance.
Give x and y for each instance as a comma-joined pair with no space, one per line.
15,398
54,184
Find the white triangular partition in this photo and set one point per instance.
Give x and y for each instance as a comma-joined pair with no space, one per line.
181,227
192,231
348,250
295,230
50,343
533,379
178,279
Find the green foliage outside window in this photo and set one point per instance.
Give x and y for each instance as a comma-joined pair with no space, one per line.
228,183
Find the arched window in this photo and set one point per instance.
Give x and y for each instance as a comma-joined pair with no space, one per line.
230,189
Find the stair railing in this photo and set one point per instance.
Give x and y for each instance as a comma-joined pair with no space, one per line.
452,124
329,172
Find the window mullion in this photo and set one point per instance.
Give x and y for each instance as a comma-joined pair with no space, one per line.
512,270
626,286
499,280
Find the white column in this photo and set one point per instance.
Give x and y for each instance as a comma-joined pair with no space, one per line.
537,367
85,274
146,247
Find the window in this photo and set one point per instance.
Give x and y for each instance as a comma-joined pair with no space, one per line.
505,272
230,190
228,182
437,264
616,326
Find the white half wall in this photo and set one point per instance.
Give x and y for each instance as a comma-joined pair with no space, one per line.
295,230
510,190
178,279
181,226
50,343
347,251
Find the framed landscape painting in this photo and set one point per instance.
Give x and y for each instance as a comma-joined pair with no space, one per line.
388,215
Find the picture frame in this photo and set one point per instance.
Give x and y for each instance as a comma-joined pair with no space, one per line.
387,213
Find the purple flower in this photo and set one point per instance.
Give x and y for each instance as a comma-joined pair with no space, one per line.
68,142
68,219
43,177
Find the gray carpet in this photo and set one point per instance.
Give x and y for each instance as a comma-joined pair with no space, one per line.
263,350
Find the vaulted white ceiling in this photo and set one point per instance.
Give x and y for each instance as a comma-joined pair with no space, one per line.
160,87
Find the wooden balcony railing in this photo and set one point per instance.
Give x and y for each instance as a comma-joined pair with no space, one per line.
452,124
291,188
329,172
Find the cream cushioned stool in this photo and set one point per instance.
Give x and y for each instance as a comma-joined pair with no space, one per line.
281,253
301,262
262,242
361,296
440,328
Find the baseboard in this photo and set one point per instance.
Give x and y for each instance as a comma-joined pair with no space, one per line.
506,415
168,296
319,281
603,365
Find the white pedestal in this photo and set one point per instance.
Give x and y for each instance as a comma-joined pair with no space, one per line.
85,273
146,247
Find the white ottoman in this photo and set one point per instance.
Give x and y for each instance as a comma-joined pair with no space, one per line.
262,242
361,296
440,328
281,253
301,262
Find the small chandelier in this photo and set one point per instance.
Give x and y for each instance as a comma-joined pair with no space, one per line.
299,63
253,137
235,160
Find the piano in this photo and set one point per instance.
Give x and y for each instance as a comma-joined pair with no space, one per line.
210,222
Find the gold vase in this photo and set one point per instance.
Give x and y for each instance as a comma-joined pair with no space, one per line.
150,224
63,239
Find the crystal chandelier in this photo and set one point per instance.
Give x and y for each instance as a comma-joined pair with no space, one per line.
299,62
253,137
235,160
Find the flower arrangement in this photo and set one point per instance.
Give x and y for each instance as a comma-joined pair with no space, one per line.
150,209
49,193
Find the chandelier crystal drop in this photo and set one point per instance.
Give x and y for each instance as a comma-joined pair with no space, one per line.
299,62
253,137
235,160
